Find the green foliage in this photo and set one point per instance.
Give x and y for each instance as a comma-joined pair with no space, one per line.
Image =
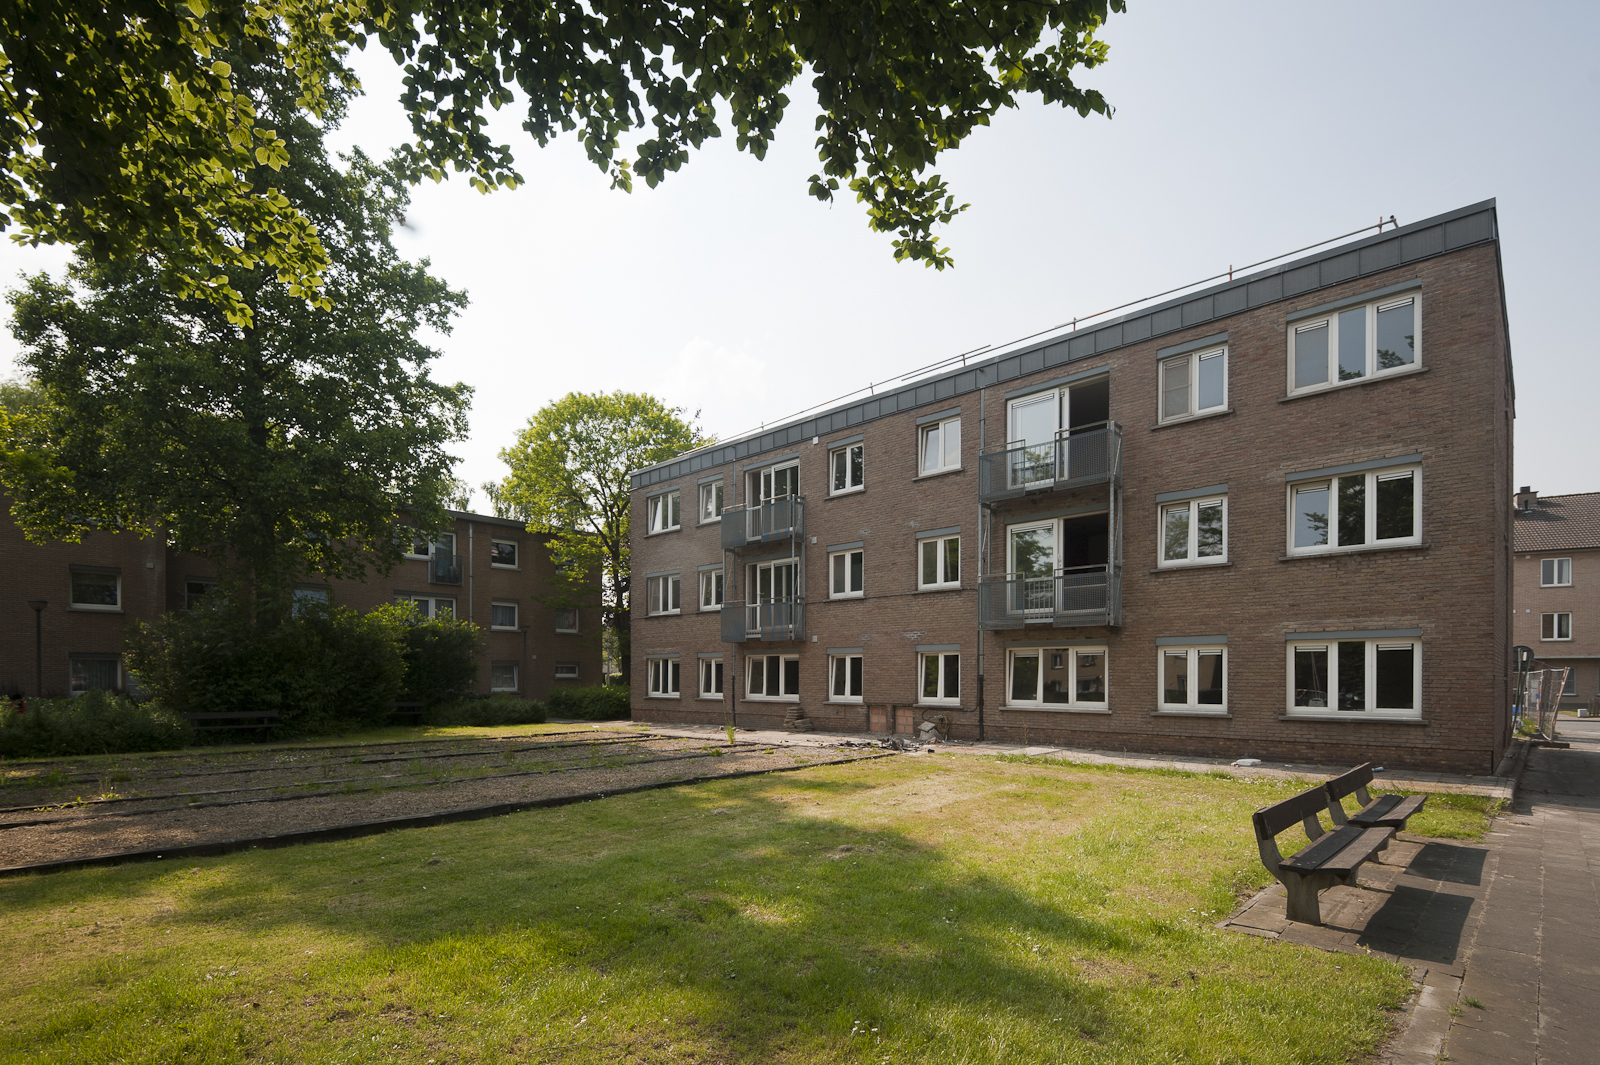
95,722
440,653
500,708
592,703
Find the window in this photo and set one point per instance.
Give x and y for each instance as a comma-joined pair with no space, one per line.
661,512
711,589
939,446
413,543
1193,678
1569,686
96,589
663,594
941,678
772,677
711,678
566,621
1058,676
503,554
662,676
1375,508
846,466
503,677
1555,572
711,501
94,673
1194,384
1556,626
939,562
1194,533
307,595
775,482
770,587
1354,344
566,671
430,606
844,678
844,569
502,615
1356,676
196,589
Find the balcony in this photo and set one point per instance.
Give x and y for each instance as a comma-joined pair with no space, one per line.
444,569
1082,596
1074,459
781,518
782,619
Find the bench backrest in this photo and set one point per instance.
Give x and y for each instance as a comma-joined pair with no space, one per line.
1304,807
1352,783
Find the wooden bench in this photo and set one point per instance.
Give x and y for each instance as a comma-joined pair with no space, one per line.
1386,811
233,719
406,713
1332,857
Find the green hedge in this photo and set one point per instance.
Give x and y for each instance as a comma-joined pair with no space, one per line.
497,709
593,703
92,723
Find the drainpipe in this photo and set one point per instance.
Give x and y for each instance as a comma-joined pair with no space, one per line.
471,614
983,412
38,644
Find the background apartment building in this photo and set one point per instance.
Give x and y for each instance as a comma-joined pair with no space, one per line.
489,570
1272,518
1556,607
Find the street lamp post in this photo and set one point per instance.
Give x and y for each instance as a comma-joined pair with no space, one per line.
38,644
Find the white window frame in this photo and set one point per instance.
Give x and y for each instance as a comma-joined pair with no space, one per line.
1070,662
757,483
839,567
432,602
1555,626
850,471
712,679
712,587
119,678
753,599
516,676
104,608
566,671
1331,321
501,604
1192,667
942,681
839,670
940,561
413,537
783,696
662,513
1370,683
1192,548
1191,360
1569,686
663,677
947,451
576,622
664,595
1559,567
711,502
1370,519
516,553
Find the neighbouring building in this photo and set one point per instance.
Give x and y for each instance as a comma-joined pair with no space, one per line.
1556,605
1271,518
489,570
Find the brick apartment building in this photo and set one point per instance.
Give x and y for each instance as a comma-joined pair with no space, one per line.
1556,602
1270,519
486,569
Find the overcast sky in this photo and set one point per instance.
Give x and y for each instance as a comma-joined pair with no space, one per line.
1242,130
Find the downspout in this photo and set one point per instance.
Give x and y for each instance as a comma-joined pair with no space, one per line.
983,412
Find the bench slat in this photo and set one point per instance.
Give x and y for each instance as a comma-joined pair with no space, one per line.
1312,857
1347,783
1270,820
1390,811
1340,851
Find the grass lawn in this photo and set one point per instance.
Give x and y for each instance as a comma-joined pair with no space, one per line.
936,908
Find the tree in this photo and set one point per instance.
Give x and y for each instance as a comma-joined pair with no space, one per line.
278,446
569,476
120,129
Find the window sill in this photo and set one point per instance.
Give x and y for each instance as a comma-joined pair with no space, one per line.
857,490
1175,422
665,614
938,473
1190,567
939,588
663,532
1541,639
76,609
655,695
1061,709
710,609
1354,717
948,704
566,632
846,598
1363,549
502,565
709,699
504,628
843,702
1191,713
770,700
1341,385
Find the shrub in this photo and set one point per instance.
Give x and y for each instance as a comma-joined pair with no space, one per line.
95,722
498,709
593,703
441,654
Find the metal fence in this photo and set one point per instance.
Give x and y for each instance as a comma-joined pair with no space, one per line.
1541,699
1075,457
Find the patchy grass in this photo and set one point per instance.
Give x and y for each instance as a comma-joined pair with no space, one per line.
950,909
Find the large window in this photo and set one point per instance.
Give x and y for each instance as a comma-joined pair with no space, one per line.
96,589
941,678
502,554
711,501
1378,508
845,574
772,677
1354,344
1555,572
195,589
1057,676
1557,626
711,678
663,594
1357,676
939,562
503,676
844,678
711,589
661,512
94,673
661,677
846,469
1192,384
770,587
567,621
1194,532
428,606
1194,678
502,615
939,446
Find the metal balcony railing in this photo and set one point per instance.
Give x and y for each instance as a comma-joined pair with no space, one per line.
1084,595
444,569
782,619
771,519
1073,459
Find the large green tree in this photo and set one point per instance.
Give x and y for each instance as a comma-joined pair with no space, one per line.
123,130
569,476
278,445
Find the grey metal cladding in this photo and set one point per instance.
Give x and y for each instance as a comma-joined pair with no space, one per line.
1192,345
1451,231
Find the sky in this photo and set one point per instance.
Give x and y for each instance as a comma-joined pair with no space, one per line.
1241,131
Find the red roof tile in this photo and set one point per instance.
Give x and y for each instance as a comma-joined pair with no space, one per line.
1559,523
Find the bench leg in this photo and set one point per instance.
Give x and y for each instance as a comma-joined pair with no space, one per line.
1303,905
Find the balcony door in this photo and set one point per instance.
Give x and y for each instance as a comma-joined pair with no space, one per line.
772,594
1068,415
1031,564
1032,439
777,482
